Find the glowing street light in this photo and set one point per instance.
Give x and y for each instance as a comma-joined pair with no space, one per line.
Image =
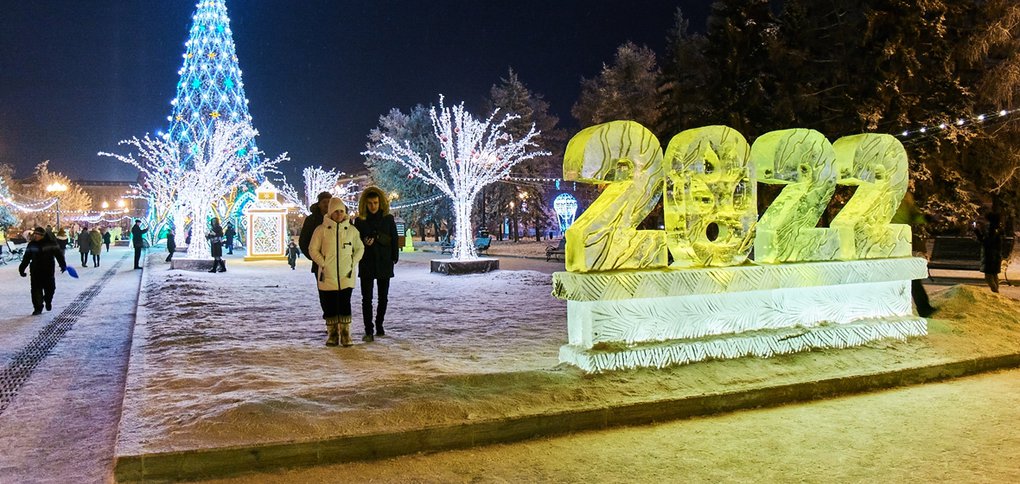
58,188
105,205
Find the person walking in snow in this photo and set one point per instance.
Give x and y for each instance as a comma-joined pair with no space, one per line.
991,249
137,241
171,244
379,233
292,253
84,246
95,245
314,219
106,238
40,255
230,233
336,248
215,237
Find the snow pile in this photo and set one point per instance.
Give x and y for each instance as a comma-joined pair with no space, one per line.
238,358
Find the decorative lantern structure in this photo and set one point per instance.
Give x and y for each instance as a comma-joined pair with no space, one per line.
267,225
565,206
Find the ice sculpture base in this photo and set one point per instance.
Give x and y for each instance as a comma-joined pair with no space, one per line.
454,267
632,319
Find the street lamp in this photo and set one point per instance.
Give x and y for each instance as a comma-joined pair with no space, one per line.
58,188
106,205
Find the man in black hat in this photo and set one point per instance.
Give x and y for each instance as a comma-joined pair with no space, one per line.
40,255
318,214
136,240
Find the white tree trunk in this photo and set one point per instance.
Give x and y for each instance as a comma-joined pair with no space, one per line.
180,214
465,248
199,248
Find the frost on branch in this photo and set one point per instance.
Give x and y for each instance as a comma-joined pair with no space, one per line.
220,163
159,161
475,154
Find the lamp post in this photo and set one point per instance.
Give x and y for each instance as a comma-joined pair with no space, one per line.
58,188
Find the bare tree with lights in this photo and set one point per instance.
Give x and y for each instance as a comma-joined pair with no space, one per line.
476,153
159,161
219,164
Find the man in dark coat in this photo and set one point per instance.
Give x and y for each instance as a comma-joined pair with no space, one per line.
230,233
215,238
171,244
378,232
136,240
40,255
313,220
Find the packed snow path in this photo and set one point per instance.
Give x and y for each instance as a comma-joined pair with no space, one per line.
60,424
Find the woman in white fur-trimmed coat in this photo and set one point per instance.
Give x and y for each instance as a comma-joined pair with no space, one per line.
336,248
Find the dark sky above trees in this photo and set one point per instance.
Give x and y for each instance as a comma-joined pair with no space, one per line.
77,77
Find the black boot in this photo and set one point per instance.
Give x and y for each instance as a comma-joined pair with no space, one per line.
215,264
223,266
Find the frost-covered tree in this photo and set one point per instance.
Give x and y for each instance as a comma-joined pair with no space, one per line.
219,163
159,161
414,128
318,180
476,153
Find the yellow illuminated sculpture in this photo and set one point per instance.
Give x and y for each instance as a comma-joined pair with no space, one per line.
808,287
628,158
710,207
877,164
803,160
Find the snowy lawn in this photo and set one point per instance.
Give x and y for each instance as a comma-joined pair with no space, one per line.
238,358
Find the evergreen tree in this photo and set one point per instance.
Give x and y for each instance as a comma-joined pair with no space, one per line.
685,79
513,96
629,89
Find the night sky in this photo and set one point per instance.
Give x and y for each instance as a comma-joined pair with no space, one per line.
78,76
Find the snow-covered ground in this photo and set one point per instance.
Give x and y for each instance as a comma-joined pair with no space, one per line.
238,358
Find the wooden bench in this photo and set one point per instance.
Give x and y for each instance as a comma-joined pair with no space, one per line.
961,253
559,250
482,244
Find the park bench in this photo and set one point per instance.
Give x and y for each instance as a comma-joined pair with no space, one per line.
482,244
961,253
558,251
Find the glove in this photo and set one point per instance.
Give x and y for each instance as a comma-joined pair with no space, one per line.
24,275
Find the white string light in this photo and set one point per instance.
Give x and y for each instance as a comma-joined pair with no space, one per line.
981,118
38,206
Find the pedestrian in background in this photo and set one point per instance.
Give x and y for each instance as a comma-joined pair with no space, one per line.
317,214
336,249
106,237
171,244
62,239
41,257
230,233
909,214
84,246
379,234
95,245
292,253
137,240
215,238
991,249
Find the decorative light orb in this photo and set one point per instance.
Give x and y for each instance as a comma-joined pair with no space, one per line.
565,206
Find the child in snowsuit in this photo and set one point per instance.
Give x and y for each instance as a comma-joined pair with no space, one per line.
292,253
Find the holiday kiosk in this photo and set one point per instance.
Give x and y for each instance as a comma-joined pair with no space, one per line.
267,225
691,291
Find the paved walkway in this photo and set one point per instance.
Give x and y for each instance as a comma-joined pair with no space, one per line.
60,425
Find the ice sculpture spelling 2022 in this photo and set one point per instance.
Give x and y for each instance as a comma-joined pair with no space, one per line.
808,287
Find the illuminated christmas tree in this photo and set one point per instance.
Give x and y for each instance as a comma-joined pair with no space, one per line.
210,86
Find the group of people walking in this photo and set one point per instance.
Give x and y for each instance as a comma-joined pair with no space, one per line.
344,250
92,242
